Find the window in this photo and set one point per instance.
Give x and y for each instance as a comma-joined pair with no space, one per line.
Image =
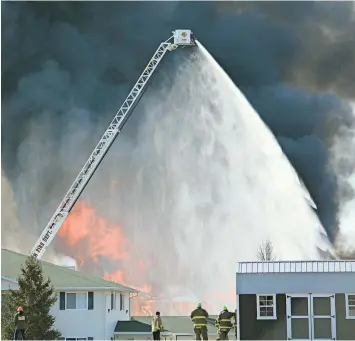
121,302
78,301
350,306
266,307
113,300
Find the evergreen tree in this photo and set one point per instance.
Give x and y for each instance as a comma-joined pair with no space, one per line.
36,296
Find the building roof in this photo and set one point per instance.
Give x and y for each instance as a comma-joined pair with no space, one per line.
133,326
296,266
173,324
61,277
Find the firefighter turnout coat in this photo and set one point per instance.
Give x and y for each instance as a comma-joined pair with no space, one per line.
224,321
199,317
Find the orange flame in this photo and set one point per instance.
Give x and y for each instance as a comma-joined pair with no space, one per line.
88,238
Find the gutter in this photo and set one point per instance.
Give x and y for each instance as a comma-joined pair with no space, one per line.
141,333
12,280
97,289
130,291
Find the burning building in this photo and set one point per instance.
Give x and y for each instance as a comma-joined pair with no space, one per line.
100,247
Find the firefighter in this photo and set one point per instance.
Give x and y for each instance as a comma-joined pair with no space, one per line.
199,318
157,326
217,326
20,323
224,323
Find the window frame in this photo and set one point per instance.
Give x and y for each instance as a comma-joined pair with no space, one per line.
347,307
76,338
122,298
261,317
77,292
113,300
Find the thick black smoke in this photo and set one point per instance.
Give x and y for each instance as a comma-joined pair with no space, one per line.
64,63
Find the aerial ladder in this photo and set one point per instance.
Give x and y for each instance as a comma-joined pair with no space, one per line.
180,38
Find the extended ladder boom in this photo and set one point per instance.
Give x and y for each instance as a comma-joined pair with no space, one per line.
180,38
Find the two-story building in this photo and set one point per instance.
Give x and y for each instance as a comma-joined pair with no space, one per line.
87,308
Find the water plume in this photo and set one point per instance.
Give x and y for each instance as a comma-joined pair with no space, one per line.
203,182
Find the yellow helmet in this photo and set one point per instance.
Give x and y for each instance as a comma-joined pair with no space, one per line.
199,305
225,308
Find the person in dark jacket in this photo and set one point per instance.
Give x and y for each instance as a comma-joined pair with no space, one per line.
199,318
224,323
20,323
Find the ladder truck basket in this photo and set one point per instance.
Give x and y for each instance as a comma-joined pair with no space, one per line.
184,38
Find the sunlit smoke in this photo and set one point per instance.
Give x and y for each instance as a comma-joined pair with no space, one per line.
9,217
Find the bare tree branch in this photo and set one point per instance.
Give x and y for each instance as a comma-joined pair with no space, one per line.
266,251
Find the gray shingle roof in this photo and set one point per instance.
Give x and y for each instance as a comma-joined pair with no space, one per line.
61,277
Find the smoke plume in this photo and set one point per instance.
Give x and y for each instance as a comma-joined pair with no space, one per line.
66,68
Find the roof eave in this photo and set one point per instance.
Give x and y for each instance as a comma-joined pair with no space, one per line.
10,279
126,290
140,333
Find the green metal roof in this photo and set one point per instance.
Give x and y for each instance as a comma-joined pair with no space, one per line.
61,277
133,326
173,324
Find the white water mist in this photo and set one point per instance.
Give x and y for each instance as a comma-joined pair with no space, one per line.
204,183
201,183
347,213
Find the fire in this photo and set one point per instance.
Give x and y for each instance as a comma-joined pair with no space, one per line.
94,241
91,236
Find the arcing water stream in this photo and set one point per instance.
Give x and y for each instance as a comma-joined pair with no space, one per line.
208,183
201,184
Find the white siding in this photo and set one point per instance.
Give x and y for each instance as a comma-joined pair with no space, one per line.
98,323
112,316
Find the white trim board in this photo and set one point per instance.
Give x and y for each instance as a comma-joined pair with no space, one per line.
260,317
140,333
12,280
9,279
238,318
310,314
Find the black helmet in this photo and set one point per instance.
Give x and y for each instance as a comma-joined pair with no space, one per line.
157,313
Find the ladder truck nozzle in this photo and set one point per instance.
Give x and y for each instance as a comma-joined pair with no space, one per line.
184,38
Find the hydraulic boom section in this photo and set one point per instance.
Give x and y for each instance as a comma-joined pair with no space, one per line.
180,38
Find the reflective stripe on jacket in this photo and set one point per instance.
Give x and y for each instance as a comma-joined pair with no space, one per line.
157,324
224,320
20,321
199,317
